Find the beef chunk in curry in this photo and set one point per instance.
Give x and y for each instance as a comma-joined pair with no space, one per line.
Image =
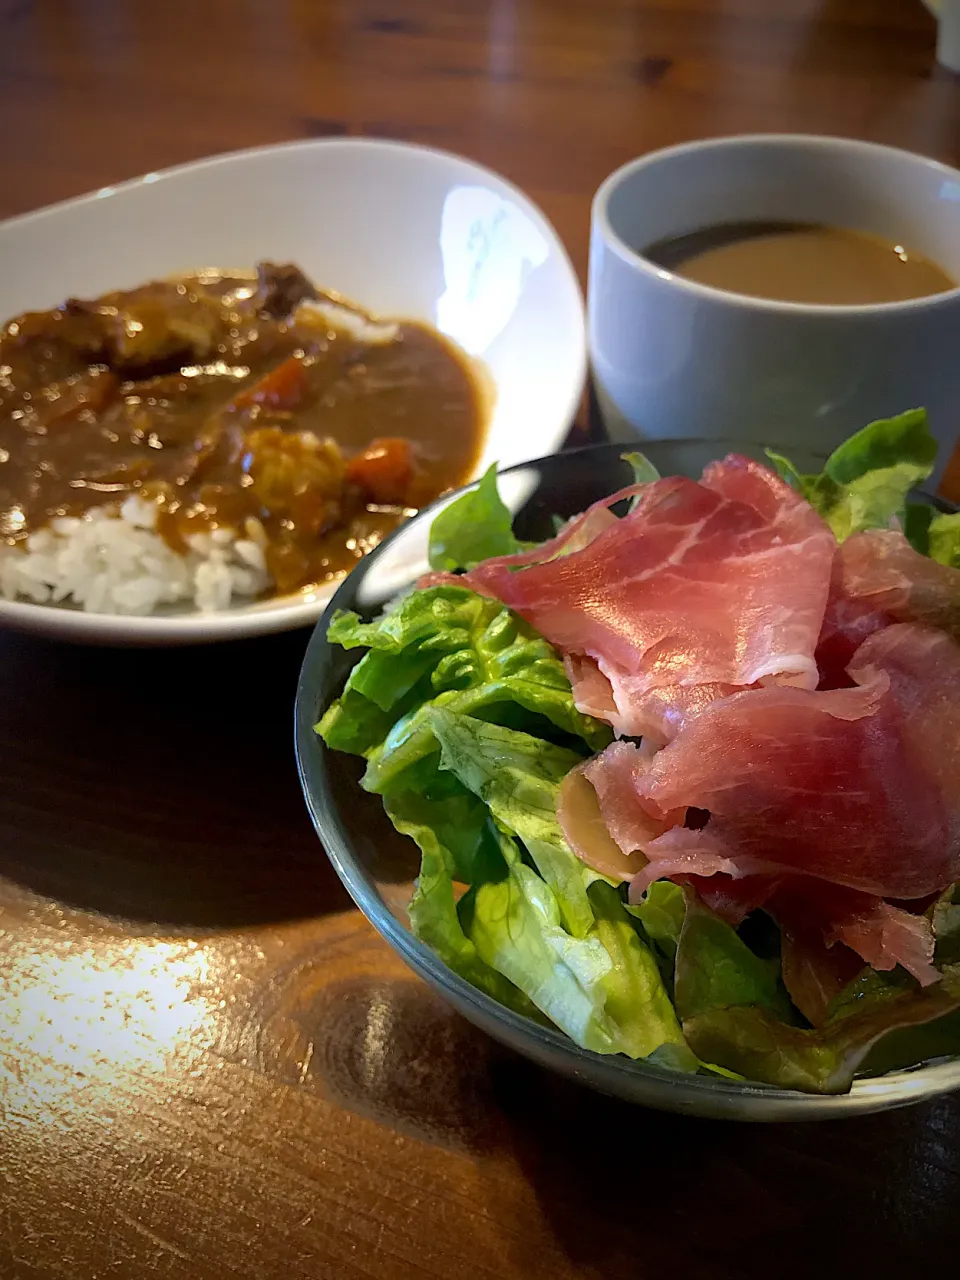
231,399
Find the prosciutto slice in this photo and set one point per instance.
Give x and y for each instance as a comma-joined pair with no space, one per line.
631,706
601,815
846,624
858,787
880,570
823,927
705,586
923,666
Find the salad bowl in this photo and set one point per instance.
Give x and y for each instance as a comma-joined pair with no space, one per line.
378,865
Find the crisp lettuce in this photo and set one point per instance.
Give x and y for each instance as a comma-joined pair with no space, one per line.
715,969
450,706
644,472
865,482
477,526
661,912
944,539
517,776
751,1040
458,842
636,998
603,990
581,919
516,926
451,648
933,533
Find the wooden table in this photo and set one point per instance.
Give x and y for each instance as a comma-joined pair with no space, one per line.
210,1066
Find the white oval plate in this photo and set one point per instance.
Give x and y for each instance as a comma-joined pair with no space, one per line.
404,231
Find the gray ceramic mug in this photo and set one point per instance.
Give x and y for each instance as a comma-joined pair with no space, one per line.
672,358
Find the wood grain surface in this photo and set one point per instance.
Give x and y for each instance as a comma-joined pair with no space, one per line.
210,1066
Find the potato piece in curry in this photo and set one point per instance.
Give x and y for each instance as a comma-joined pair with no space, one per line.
235,402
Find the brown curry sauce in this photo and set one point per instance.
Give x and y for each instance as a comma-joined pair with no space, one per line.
233,405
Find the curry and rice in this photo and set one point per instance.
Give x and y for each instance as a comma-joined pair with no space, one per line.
215,436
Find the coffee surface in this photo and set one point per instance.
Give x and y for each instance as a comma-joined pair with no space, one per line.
801,262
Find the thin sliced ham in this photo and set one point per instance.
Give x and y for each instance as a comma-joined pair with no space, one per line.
631,706
616,775
593,695
923,666
703,586
849,785
846,624
601,816
815,918
881,570
885,936
587,832
578,532
733,899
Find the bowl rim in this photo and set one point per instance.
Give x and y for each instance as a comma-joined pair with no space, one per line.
687,1093
299,609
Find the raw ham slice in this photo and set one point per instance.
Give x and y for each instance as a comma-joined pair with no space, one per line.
615,775
631,707
882,570
601,816
578,532
886,936
731,899
593,695
817,917
585,830
857,787
846,624
923,666
717,583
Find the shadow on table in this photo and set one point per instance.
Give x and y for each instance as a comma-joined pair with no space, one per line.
159,785
630,1192
627,1192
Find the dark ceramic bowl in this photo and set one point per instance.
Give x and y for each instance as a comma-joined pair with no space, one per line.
378,865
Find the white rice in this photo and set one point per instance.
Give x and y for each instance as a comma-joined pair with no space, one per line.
113,561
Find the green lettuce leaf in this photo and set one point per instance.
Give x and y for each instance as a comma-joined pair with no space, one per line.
458,842
603,990
715,969
865,482
636,998
644,472
444,646
933,533
946,927
516,926
475,527
354,724
517,777
944,539
751,1040
486,663
661,912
